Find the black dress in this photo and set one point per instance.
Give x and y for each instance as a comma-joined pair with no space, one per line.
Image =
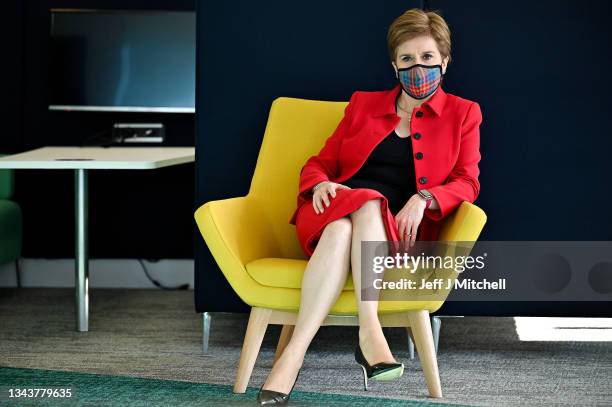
389,169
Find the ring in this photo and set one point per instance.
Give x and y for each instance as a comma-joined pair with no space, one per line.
409,234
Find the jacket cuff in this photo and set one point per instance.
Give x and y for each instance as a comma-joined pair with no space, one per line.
309,182
445,204
305,188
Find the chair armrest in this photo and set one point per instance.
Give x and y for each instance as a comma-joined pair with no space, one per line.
236,232
463,225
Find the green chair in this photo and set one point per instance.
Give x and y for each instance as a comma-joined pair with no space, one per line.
11,222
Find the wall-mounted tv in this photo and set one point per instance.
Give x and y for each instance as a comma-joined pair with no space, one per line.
122,60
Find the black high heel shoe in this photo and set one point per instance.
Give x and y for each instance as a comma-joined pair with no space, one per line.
379,371
275,398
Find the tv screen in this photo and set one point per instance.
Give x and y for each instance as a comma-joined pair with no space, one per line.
115,60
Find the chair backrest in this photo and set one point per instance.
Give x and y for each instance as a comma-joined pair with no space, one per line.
296,130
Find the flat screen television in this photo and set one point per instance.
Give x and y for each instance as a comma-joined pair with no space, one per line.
122,60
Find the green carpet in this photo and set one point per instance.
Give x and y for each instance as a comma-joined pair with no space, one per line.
104,390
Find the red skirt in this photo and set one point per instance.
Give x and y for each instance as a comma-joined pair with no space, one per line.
309,225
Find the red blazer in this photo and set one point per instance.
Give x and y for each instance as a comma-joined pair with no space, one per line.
445,132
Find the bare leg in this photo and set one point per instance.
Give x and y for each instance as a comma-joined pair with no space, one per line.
368,225
323,280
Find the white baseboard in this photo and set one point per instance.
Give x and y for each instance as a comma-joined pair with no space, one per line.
103,273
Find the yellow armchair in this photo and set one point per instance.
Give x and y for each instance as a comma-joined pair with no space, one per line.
257,249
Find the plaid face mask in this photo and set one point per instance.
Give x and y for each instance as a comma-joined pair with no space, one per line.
420,81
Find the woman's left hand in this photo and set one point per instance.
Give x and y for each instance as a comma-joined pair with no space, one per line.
409,218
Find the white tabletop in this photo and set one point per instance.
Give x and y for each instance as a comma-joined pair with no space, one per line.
105,158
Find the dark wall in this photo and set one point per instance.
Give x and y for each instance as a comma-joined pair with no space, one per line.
12,77
539,72
146,214
542,76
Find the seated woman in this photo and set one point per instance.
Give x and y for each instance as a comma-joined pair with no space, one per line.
398,163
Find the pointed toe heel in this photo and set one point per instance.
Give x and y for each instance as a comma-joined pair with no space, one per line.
275,398
379,371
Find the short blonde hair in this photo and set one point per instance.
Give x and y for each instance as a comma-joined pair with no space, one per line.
415,23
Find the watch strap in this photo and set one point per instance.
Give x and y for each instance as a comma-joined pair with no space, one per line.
427,197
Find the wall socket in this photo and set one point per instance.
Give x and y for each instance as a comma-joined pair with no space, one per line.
134,133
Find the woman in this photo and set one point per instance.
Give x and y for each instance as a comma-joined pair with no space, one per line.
398,163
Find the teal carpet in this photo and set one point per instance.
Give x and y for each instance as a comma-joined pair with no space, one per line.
104,390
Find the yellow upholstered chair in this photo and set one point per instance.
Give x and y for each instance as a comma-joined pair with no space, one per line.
258,251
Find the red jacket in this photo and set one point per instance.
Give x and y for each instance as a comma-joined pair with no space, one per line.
445,130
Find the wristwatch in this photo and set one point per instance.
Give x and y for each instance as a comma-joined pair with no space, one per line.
427,196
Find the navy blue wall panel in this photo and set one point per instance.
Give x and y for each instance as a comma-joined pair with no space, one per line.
539,71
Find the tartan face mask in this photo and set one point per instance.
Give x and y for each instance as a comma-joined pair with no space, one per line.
420,81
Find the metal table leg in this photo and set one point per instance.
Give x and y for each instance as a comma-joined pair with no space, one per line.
205,331
81,254
435,328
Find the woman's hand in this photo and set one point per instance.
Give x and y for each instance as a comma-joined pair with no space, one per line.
320,195
409,218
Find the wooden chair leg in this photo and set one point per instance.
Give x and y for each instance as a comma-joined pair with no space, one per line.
256,329
283,340
423,338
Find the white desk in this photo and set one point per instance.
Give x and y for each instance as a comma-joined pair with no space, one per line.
81,160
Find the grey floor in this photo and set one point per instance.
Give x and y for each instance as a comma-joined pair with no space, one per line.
156,334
